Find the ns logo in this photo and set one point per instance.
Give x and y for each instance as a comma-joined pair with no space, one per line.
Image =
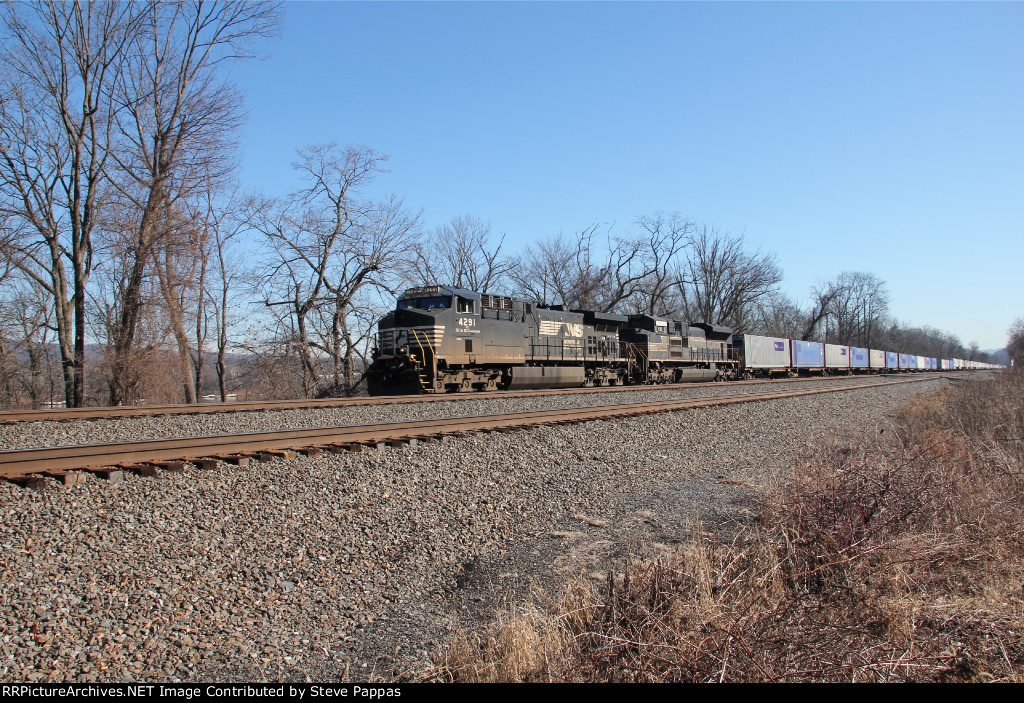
552,328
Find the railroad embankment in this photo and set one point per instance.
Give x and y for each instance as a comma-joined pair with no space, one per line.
362,566
892,555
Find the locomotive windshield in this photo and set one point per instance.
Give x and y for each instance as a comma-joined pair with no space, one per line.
426,303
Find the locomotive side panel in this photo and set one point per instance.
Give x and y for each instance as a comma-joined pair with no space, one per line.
557,337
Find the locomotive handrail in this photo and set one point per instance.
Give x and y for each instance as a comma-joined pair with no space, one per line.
638,350
630,349
416,335
423,355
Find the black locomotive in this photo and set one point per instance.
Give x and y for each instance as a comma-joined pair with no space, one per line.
442,339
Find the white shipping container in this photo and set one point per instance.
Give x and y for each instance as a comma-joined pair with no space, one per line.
765,352
837,356
877,357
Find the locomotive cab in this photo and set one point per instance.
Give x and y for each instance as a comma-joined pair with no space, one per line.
409,339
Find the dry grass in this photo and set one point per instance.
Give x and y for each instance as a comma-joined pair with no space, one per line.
593,522
891,558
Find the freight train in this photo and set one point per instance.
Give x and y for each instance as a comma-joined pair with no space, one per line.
443,339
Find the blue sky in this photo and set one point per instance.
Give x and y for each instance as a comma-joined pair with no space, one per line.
839,136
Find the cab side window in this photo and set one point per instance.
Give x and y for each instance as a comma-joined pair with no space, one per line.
465,305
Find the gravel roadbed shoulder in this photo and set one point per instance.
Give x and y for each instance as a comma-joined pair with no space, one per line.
361,565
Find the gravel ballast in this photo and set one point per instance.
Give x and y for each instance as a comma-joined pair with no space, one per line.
60,433
359,565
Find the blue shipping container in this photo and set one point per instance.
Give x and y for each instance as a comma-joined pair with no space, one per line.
808,355
891,360
858,358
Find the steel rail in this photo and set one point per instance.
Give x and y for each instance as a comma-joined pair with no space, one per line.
23,462
121,411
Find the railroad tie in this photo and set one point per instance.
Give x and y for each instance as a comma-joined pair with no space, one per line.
107,473
141,469
261,456
204,464
282,453
66,478
235,459
33,482
344,448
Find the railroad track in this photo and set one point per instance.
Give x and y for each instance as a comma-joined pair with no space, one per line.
29,467
68,414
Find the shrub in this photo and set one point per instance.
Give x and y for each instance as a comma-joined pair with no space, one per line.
897,557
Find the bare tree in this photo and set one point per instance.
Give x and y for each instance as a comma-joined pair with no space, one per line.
721,281
177,116
366,268
777,315
821,300
667,238
462,254
26,367
590,271
225,224
330,250
635,272
896,336
556,271
59,63
1015,343
180,260
857,305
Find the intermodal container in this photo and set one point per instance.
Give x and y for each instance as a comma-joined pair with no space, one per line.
765,352
859,358
837,356
808,355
